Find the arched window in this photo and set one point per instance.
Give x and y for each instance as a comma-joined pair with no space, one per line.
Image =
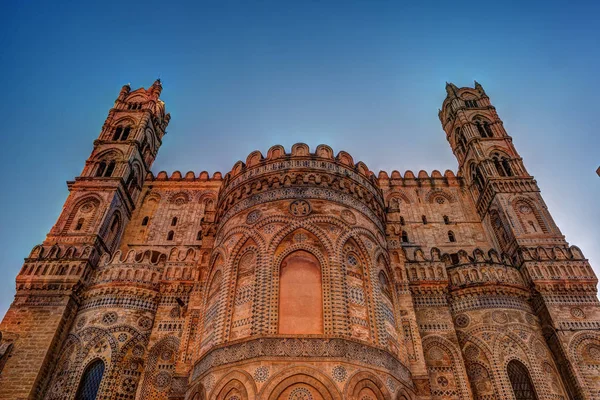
488,129
471,103
170,235
79,225
451,236
118,132
404,237
90,381
145,221
424,219
461,142
300,294
477,178
126,133
446,220
502,165
402,221
480,129
101,169
199,235
520,381
110,169
174,221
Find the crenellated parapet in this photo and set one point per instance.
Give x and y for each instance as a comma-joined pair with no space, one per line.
300,174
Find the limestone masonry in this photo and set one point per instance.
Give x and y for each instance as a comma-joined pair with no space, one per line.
301,275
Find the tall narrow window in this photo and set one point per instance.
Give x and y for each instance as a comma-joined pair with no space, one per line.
90,381
488,129
126,133
424,219
170,235
101,169
110,169
506,165
451,236
199,235
79,224
480,129
446,220
300,294
402,222
404,237
471,103
118,132
145,221
174,221
520,381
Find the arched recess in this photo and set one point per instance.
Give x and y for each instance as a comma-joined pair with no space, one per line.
365,386
89,385
160,365
584,350
64,375
296,382
235,384
529,216
244,292
356,286
212,307
87,209
445,369
389,337
520,380
300,294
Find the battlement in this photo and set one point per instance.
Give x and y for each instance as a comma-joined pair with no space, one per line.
423,178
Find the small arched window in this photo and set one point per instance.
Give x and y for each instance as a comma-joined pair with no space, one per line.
480,129
402,221
174,221
446,220
79,224
110,169
145,221
502,165
126,133
461,142
451,237
199,235
488,129
471,103
424,219
170,235
404,237
118,132
101,169
90,381
477,177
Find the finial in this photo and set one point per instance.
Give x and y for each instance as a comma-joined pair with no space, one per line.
451,89
479,87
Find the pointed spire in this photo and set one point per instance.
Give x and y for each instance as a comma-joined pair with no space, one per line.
157,87
479,87
451,89
124,92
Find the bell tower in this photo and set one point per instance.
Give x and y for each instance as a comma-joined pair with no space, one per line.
56,273
507,198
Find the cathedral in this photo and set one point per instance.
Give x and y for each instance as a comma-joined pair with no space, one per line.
300,274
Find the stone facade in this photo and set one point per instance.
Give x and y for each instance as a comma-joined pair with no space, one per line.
301,275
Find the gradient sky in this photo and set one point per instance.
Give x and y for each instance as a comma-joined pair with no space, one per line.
362,76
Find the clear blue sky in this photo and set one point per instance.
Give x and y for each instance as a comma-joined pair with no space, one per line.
363,76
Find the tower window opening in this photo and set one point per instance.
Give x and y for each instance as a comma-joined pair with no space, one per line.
471,103
110,169
101,169
451,237
199,235
126,133
424,219
502,165
170,235
402,222
79,224
454,258
404,237
461,142
118,132
480,129
145,221
446,220
174,221
488,130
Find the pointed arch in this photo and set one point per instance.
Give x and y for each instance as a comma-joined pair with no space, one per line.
520,380
89,385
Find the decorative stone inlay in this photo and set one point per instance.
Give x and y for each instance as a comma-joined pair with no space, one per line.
81,322
311,348
390,384
435,353
462,320
110,318
138,350
261,374
442,381
500,317
253,217
349,217
145,323
577,313
339,373
300,394
122,337
300,208
128,385
525,209
471,352
594,352
162,380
